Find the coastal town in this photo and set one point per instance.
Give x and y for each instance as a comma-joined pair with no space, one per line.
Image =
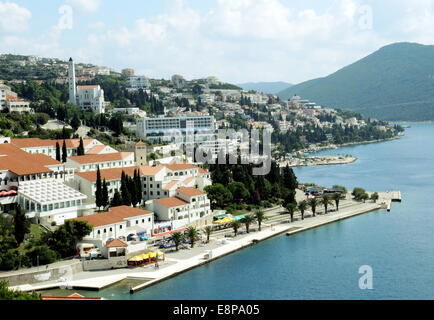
109,191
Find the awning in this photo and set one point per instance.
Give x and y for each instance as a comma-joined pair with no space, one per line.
221,216
168,233
239,217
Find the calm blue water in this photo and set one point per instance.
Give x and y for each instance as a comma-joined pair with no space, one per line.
323,263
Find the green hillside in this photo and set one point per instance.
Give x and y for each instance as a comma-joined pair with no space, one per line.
394,83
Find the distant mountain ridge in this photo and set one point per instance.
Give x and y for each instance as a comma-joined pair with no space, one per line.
394,83
265,87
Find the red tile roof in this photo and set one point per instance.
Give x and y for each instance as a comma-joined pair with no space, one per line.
22,163
180,166
95,158
116,215
190,192
116,244
171,202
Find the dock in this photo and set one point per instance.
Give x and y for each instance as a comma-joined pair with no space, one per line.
386,198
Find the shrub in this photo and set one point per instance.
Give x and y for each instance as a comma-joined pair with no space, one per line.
46,255
53,224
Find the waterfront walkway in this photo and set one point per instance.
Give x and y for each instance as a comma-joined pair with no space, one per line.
220,246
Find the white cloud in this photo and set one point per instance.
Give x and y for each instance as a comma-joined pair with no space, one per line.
13,18
87,6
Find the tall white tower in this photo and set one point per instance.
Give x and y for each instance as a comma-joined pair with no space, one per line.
72,84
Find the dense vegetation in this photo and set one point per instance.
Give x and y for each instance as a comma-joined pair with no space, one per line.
22,247
236,188
394,83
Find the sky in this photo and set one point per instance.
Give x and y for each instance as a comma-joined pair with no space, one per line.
235,40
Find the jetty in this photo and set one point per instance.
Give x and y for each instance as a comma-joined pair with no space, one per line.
386,198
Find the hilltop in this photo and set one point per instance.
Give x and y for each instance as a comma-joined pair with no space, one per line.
394,83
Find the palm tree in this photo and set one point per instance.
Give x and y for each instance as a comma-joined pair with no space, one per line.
325,201
291,207
248,220
193,235
207,231
337,198
260,217
236,225
313,203
177,238
302,206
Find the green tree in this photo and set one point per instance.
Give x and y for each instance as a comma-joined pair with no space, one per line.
239,191
58,155
358,193
75,122
177,238
192,235
337,198
313,203
64,152
64,240
302,207
248,220
291,207
105,195
325,201
125,192
236,225
7,294
207,231
219,195
42,255
260,217
375,197
289,178
139,189
80,149
21,224
98,192
117,199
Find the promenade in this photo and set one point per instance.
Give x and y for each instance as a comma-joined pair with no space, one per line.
219,246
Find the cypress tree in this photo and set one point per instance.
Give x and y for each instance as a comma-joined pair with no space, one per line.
58,156
105,194
99,192
117,199
64,152
139,189
133,191
80,150
125,193
21,225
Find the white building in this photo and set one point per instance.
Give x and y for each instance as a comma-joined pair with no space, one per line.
48,147
92,162
48,201
164,128
135,83
188,205
157,181
9,101
89,98
119,223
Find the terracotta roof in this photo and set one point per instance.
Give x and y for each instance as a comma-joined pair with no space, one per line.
180,166
140,143
116,244
36,142
190,192
96,149
87,87
203,171
95,158
188,180
171,202
22,163
170,185
116,173
116,215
